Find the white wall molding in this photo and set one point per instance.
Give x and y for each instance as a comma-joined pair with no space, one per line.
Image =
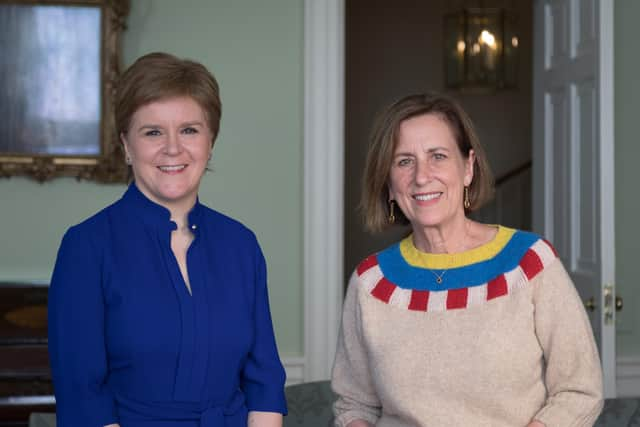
323,182
294,366
628,377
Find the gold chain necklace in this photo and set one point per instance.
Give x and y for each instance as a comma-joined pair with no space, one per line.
444,271
439,276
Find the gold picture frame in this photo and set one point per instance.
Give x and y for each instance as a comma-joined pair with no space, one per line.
58,73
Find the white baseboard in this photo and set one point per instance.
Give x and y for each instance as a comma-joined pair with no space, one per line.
294,366
628,376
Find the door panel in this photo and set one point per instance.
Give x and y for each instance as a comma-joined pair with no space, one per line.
573,151
585,150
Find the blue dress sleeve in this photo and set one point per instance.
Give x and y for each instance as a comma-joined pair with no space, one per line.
263,377
77,348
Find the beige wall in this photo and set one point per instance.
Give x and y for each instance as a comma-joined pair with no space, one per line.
255,50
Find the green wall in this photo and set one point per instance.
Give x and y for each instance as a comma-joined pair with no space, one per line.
627,197
255,49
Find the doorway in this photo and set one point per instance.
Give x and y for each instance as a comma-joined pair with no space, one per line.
395,49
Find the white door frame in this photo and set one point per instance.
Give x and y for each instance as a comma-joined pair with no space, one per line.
607,169
323,183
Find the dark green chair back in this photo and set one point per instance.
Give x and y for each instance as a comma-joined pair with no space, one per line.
309,405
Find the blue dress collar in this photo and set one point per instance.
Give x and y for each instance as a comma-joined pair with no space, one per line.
156,215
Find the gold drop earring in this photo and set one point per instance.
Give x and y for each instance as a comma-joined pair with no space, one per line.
392,217
467,203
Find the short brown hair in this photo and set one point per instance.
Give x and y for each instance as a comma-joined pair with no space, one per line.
158,76
375,196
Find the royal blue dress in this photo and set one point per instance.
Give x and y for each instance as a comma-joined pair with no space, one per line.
129,344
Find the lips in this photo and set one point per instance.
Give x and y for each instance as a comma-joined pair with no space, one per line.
172,168
425,197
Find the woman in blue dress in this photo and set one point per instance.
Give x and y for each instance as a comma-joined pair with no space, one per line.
158,307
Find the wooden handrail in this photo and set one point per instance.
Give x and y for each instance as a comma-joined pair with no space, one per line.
512,173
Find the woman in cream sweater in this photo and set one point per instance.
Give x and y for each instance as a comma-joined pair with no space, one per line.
460,323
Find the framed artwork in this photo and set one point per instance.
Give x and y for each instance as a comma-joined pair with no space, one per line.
58,69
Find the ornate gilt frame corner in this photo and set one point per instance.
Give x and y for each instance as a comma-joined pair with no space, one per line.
109,165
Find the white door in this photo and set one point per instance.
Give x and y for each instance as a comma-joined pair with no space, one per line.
573,188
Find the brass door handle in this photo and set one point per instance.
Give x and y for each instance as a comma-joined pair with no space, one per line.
590,304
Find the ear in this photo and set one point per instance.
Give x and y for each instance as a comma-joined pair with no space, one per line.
390,195
468,168
125,144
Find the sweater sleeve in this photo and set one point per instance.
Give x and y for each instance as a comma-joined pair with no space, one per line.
351,378
573,375
77,349
263,376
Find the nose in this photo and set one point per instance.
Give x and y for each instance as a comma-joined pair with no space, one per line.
172,146
422,172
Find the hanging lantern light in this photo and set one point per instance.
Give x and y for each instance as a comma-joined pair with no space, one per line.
481,49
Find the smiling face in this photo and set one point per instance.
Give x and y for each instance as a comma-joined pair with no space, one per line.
169,143
428,173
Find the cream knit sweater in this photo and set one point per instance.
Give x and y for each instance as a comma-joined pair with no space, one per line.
503,340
